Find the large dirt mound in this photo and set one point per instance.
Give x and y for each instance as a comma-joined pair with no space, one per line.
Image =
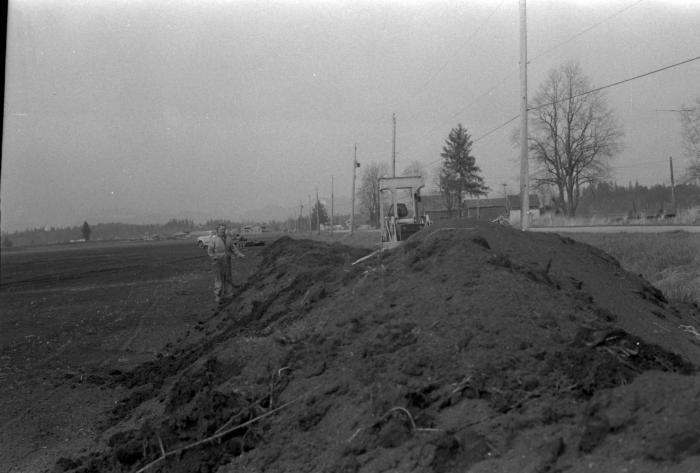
469,348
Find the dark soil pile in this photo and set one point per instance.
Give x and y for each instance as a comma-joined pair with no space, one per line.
469,348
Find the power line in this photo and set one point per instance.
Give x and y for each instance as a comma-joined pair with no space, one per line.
463,109
459,50
581,33
498,83
598,89
422,88
495,129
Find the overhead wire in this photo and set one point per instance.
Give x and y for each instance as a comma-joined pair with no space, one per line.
459,50
597,89
423,87
536,57
584,31
493,130
543,53
472,102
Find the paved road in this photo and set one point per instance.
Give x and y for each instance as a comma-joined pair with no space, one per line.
620,229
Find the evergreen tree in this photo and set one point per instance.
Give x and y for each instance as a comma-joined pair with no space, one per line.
86,231
460,174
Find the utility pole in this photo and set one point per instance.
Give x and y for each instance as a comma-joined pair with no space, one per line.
673,185
332,205
355,165
318,213
524,165
310,209
393,147
393,168
301,209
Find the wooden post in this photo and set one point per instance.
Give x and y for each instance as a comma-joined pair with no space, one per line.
524,165
673,185
355,165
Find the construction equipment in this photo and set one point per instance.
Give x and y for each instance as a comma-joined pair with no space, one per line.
402,218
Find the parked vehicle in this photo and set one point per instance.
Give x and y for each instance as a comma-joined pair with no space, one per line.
239,240
203,241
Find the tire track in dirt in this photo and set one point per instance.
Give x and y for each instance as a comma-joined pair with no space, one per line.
137,330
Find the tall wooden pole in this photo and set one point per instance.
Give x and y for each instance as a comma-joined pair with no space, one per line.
673,186
318,213
332,205
393,168
301,212
310,209
352,212
524,165
393,146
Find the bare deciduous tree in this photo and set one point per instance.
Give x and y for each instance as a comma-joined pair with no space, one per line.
415,168
573,135
690,119
369,190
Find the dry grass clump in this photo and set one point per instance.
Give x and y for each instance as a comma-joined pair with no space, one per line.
670,261
689,216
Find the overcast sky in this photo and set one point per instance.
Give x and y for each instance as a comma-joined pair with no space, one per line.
120,109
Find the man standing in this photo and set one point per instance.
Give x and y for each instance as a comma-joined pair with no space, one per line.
221,248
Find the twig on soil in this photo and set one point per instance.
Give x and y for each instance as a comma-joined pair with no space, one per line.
413,422
272,382
256,403
366,257
661,327
160,443
230,421
691,330
249,430
463,384
224,432
414,428
354,435
405,411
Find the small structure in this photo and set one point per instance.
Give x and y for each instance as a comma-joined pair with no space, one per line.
434,206
516,207
478,209
401,219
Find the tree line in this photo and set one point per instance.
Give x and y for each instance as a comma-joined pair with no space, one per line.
634,201
100,231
